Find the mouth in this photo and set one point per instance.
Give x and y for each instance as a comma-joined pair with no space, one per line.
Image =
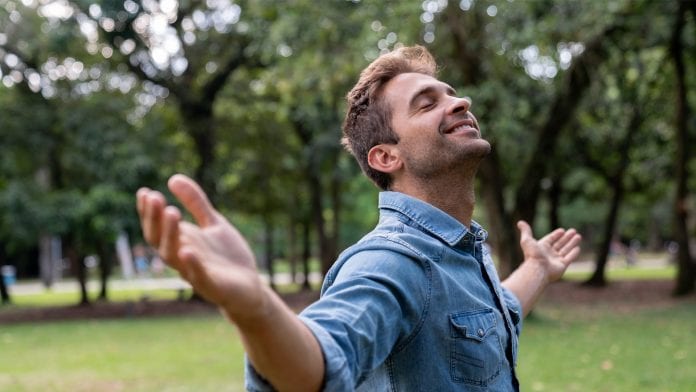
463,126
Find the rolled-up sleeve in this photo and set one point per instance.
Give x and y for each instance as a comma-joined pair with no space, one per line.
360,317
253,381
337,377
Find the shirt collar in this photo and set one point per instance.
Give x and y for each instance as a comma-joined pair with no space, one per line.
430,218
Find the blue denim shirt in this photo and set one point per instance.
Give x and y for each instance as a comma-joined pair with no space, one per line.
416,305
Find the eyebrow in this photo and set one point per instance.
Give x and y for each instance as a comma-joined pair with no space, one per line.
429,89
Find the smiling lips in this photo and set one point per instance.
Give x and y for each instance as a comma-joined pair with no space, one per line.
464,125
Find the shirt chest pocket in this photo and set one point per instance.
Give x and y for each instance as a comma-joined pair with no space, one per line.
476,353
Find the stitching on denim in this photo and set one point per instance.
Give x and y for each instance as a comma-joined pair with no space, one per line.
444,235
425,261
453,354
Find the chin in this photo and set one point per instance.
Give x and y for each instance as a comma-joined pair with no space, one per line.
480,147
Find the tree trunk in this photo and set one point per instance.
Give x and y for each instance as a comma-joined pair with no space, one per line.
503,234
337,205
576,81
269,251
292,249
554,195
4,293
317,211
598,277
79,269
315,188
686,275
198,120
106,262
306,254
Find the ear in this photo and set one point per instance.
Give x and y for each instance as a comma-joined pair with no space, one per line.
384,158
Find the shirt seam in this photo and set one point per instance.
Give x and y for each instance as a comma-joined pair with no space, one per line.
426,306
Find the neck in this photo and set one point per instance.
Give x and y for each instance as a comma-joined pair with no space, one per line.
453,194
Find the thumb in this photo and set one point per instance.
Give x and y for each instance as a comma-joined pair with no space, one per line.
193,199
525,231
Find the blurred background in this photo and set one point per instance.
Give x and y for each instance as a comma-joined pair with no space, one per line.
590,107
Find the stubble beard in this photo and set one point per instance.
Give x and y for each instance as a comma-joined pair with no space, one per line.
449,160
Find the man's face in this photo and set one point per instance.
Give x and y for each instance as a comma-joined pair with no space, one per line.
437,133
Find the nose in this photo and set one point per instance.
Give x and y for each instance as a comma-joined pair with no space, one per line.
459,105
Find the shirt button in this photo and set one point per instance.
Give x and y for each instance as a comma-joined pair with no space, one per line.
480,332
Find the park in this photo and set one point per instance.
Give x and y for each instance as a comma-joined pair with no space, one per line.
589,109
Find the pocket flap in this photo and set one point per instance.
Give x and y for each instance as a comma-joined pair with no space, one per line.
472,325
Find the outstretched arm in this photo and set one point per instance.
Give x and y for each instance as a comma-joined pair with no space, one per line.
217,261
545,261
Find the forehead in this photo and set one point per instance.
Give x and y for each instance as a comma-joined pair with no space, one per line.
399,91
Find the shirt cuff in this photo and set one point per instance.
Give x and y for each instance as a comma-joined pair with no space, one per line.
253,381
337,376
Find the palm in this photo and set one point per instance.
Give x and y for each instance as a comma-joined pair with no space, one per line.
555,251
220,264
210,254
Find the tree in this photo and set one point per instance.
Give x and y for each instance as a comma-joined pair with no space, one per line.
189,48
498,70
304,87
686,277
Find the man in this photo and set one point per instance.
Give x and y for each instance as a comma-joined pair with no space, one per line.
416,304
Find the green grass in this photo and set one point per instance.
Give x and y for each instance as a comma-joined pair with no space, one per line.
666,272
49,298
600,350
562,349
167,354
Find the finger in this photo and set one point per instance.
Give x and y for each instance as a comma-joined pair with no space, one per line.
572,243
571,256
193,199
140,197
169,240
153,205
140,201
563,240
525,231
553,237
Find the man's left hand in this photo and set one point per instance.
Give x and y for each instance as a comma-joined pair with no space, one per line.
554,252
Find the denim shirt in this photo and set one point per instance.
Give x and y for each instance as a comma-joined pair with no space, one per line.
416,305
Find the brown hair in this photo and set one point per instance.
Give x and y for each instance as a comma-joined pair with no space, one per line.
368,118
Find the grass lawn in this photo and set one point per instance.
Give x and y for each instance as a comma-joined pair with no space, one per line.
564,347
168,354
600,350
49,298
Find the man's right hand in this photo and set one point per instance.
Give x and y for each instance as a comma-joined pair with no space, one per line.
211,254
217,261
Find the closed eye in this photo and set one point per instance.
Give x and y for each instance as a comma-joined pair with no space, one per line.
427,103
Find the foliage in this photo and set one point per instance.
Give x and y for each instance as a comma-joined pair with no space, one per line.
101,97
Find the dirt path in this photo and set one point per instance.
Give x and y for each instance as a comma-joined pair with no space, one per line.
145,308
622,296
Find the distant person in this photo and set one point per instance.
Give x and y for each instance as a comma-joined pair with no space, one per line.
416,305
142,264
